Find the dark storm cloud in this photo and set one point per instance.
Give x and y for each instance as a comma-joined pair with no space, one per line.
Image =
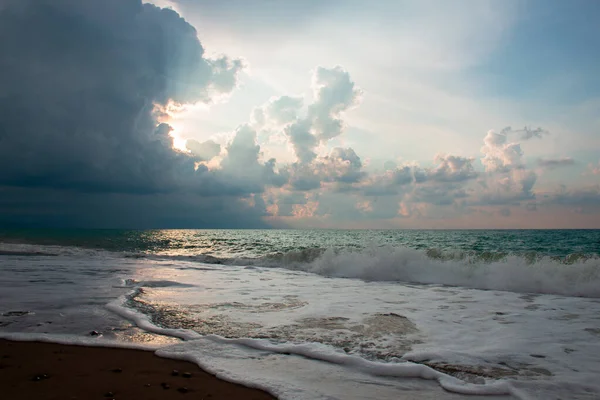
80,81
41,207
84,85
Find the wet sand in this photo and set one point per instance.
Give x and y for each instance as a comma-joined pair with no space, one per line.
32,370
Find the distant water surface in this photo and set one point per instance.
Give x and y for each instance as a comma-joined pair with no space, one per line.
260,243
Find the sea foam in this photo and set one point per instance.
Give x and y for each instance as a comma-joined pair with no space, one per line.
525,273
514,273
312,351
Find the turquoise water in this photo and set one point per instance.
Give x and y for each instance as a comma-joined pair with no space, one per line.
509,311
225,244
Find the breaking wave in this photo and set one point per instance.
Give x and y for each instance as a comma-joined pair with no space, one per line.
575,275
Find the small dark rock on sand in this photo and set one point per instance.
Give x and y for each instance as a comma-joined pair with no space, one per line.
94,333
165,385
174,373
183,390
117,370
15,313
109,394
187,374
40,377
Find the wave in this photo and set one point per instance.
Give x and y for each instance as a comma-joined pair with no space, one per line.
510,273
573,275
576,275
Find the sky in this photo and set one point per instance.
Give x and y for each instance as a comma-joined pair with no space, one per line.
411,114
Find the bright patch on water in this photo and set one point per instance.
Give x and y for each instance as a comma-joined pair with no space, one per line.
414,324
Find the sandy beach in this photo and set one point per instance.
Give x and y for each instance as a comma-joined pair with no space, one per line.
31,370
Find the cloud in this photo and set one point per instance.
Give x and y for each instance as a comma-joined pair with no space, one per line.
203,151
584,200
555,162
510,188
36,207
302,140
334,93
505,212
391,182
242,166
452,168
531,207
84,90
341,166
439,195
499,154
87,93
282,110
526,133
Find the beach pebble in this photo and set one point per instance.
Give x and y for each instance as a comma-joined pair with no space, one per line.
174,373
109,394
187,374
94,333
182,390
117,370
147,385
40,377
165,385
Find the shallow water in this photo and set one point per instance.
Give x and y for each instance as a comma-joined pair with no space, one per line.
415,322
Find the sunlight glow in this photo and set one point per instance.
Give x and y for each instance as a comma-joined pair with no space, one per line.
168,114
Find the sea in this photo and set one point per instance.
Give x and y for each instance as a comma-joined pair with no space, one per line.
324,314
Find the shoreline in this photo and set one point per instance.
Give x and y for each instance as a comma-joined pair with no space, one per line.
43,371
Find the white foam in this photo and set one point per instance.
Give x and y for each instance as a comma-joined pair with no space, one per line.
313,351
143,321
463,328
513,273
389,263
454,326
301,378
321,352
